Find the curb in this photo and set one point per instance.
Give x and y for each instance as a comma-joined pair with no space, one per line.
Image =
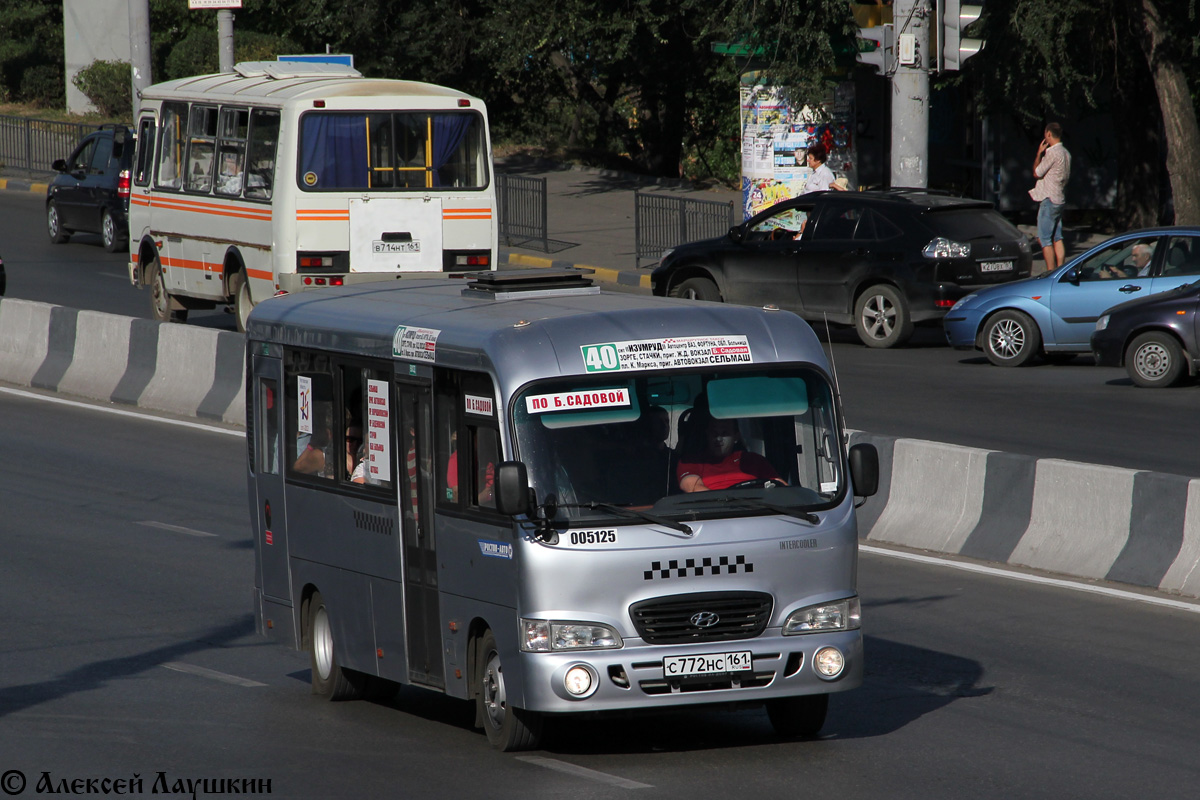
14,185
1083,520
602,274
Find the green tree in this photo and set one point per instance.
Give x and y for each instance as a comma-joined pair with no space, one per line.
1056,59
31,37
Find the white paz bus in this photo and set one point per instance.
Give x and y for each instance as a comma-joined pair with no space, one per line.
285,176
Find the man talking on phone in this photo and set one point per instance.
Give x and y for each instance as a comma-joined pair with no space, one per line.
1052,168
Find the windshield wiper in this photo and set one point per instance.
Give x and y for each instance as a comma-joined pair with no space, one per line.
632,514
753,502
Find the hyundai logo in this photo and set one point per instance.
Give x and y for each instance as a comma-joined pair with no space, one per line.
705,619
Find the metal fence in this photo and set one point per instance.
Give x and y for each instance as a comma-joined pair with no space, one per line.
661,222
522,209
34,144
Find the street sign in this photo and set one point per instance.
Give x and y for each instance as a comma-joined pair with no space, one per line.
345,59
221,4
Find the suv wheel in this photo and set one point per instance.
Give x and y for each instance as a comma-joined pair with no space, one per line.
58,234
1011,339
696,289
108,232
881,317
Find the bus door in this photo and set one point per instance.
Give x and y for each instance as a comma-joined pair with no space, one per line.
422,620
269,510
396,234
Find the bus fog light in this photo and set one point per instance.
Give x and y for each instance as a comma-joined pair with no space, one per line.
829,662
579,681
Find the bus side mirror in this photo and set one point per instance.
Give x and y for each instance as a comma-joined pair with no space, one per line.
864,469
512,488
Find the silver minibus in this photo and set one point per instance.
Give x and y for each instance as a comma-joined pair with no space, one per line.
516,489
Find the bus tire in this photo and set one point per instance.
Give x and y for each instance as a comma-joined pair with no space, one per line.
508,728
161,303
243,304
57,233
329,680
798,717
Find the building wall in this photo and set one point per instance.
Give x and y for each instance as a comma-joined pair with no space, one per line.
93,30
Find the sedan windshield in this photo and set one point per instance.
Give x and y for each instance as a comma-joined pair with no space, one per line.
718,443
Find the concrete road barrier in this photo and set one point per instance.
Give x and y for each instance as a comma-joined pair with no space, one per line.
1084,520
181,369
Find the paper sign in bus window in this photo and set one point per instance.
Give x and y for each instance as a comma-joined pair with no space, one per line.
416,344
379,433
304,411
691,351
577,401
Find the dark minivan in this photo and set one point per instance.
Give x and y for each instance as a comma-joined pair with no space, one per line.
878,260
91,191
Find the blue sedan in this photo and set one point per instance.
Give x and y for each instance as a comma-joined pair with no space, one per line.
1056,312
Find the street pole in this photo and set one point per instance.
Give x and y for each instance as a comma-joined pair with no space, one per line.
139,49
225,39
910,94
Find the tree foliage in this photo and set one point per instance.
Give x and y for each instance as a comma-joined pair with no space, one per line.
1060,59
107,85
31,38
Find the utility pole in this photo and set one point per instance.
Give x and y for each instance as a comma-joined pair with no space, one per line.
910,94
225,39
139,49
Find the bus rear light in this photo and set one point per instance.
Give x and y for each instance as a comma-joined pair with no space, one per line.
336,281
316,261
464,103
318,103
472,261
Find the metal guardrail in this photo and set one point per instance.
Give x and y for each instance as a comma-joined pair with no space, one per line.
34,144
661,222
522,210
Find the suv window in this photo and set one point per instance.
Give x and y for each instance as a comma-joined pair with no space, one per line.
838,222
100,156
970,224
81,159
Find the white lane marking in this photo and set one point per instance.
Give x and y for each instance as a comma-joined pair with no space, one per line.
122,412
1120,594
583,772
224,677
177,528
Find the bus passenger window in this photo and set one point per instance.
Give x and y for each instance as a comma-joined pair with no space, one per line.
485,453
268,427
231,152
311,438
264,132
202,130
145,152
170,154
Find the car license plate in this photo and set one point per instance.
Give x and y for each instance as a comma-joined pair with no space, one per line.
995,266
396,247
713,664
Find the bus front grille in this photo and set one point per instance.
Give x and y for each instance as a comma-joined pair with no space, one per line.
703,617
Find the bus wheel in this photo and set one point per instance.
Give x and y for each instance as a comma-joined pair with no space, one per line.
160,298
242,303
329,680
801,717
508,728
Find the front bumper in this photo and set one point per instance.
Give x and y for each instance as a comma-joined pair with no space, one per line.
961,328
631,678
1108,350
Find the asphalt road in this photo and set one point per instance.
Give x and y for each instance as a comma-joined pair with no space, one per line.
925,390
128,649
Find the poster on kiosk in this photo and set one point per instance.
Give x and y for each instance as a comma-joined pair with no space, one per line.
776,137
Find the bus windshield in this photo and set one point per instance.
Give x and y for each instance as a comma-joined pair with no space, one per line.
392,150
698,444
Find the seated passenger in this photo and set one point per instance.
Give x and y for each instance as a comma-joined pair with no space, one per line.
723,463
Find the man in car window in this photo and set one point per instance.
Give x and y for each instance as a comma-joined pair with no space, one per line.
723,462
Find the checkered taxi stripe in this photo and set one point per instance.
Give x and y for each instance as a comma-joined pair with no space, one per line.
372,523
731,565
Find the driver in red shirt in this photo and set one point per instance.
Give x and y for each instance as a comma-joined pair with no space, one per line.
724,463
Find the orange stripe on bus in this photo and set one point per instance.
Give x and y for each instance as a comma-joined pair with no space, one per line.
261,274
183,263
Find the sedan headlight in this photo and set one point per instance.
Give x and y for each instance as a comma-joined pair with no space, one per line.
941,247
844,615
544,636
962,301
1102,323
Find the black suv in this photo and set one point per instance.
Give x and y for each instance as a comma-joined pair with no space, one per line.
91,193
881,261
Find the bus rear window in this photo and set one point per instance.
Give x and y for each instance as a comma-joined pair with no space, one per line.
392,151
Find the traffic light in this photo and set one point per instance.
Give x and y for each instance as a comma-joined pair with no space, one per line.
876,48
955,16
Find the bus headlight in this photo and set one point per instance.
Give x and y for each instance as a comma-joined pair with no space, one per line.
544,636
829,662
844,615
